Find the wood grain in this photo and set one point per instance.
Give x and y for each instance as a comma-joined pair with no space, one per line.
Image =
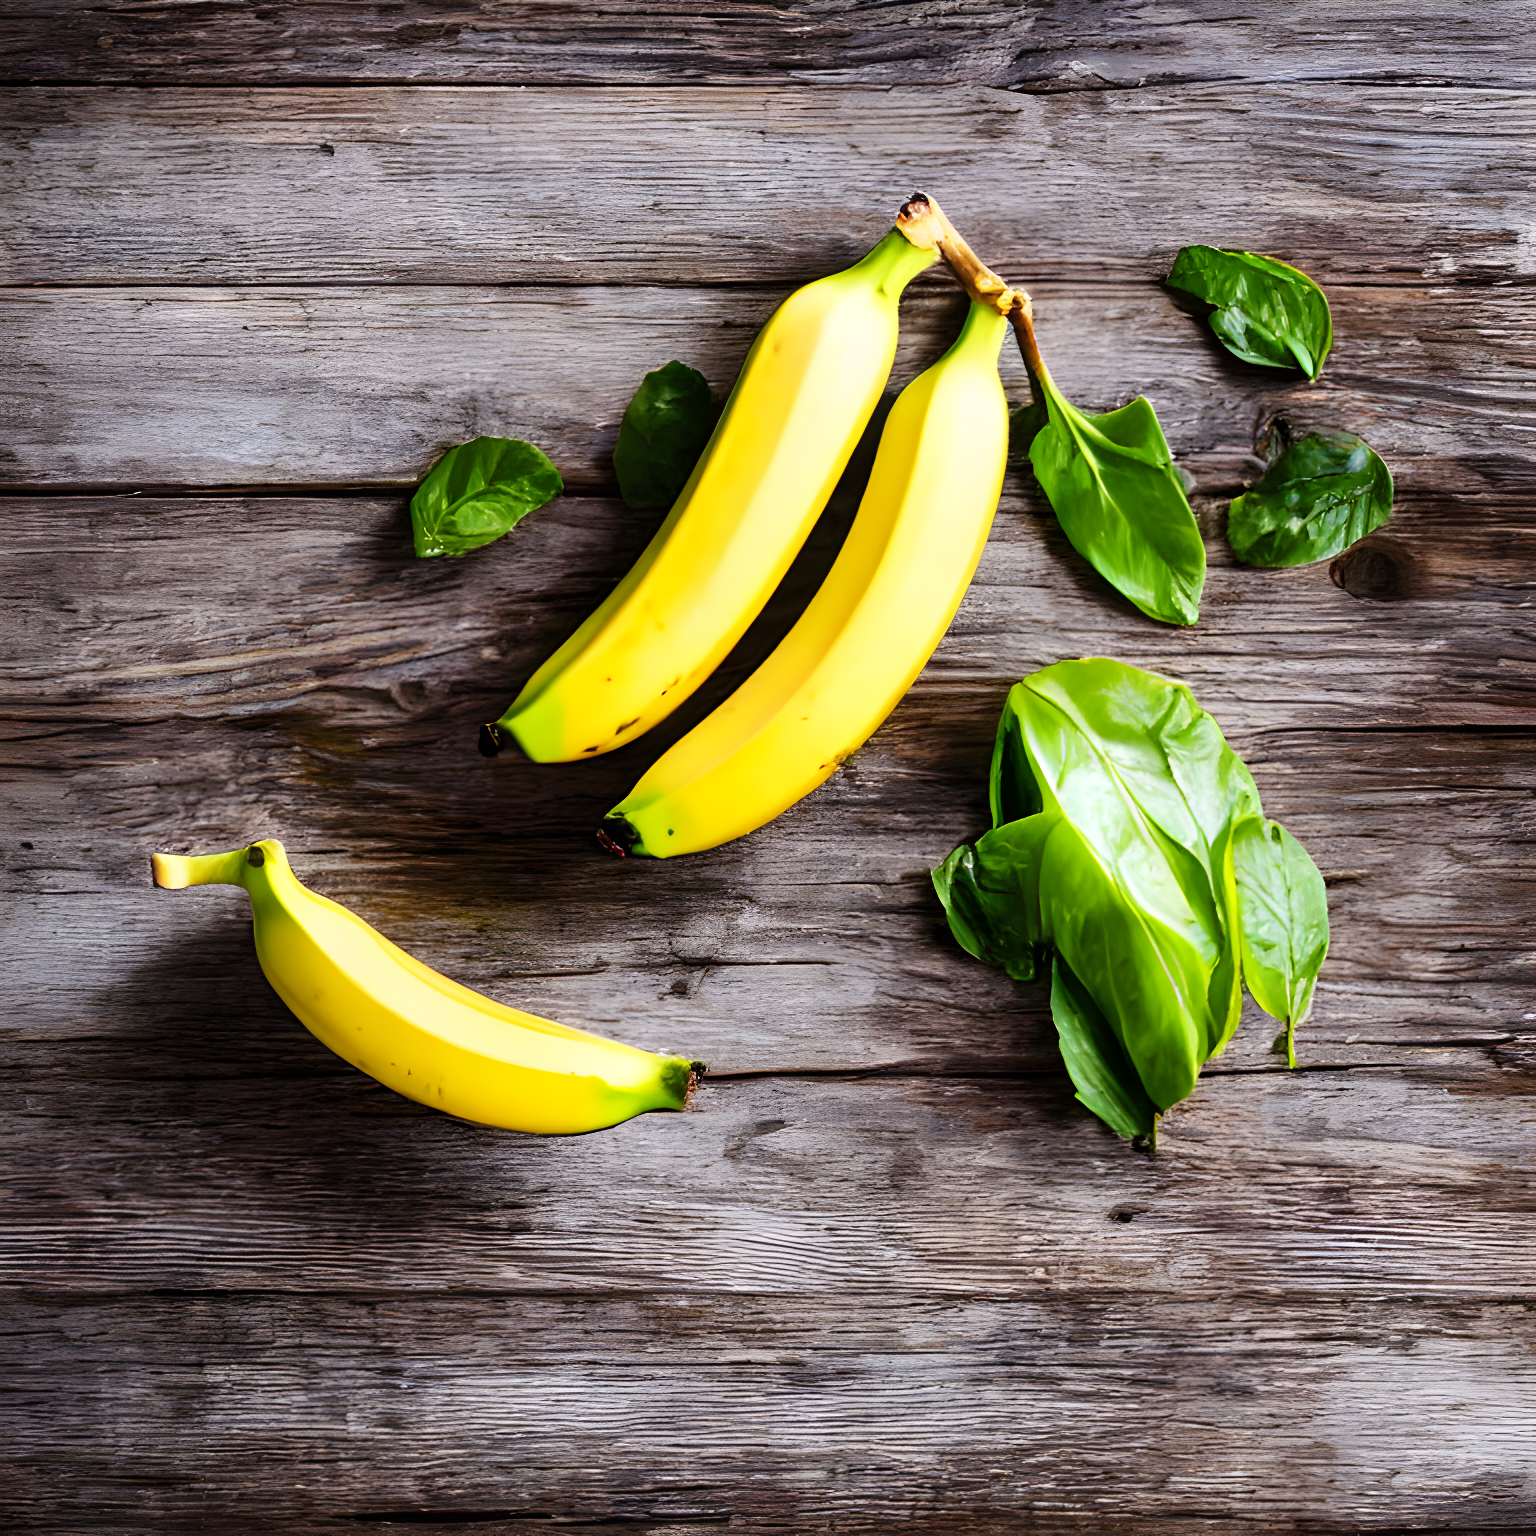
885,1276
755,184
284,1283
203,387
1068,46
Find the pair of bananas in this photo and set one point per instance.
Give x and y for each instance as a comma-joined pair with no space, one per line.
807,391
805,395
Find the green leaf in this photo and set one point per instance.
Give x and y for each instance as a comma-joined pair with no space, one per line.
1140,963
1170,757
1262,310
1105,1080
662,435
1284,906
991,896
1127,802
477,492
1118,497
1321,495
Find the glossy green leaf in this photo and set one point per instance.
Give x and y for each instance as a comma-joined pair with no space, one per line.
1284,907
1116,804
663,432
1119,499
1144,967
1262,310
1167,755
1102,1073
1321,495
477,492
991,895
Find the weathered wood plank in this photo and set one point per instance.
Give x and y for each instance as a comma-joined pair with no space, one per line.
753,184
640,1409
226,386
1415,1181
1073,45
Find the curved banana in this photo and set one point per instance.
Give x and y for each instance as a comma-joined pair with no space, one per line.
867,633
419,1033
806,391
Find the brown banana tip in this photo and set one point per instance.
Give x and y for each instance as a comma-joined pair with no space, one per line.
490,740
916,220
616,835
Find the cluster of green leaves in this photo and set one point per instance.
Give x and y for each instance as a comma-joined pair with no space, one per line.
1326,491
1129,847
1322,494
663,432
477,492
1262,310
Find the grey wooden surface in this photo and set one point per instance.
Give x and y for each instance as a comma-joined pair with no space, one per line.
261,265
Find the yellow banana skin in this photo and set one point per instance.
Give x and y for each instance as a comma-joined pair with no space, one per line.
418,1032
805,393
858,647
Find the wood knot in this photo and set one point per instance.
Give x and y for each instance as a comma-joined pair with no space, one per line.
1377,569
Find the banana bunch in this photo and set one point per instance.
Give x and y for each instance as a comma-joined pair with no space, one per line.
805,394
869,630
418,1032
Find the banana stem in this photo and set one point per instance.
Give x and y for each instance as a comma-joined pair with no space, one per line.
1022,318
923,222
174,871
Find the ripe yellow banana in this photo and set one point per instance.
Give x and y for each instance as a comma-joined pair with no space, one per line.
806,391
419,1033
867,633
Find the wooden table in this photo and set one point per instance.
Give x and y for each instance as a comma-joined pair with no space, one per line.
263,263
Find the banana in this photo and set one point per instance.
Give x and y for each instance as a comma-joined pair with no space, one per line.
867,633
805,393
419,1033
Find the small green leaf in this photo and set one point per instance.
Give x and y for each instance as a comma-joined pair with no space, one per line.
1119,499
1321,495
1262,310
1284,913
662,435
477,492
990,893
969,910
1105,1080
